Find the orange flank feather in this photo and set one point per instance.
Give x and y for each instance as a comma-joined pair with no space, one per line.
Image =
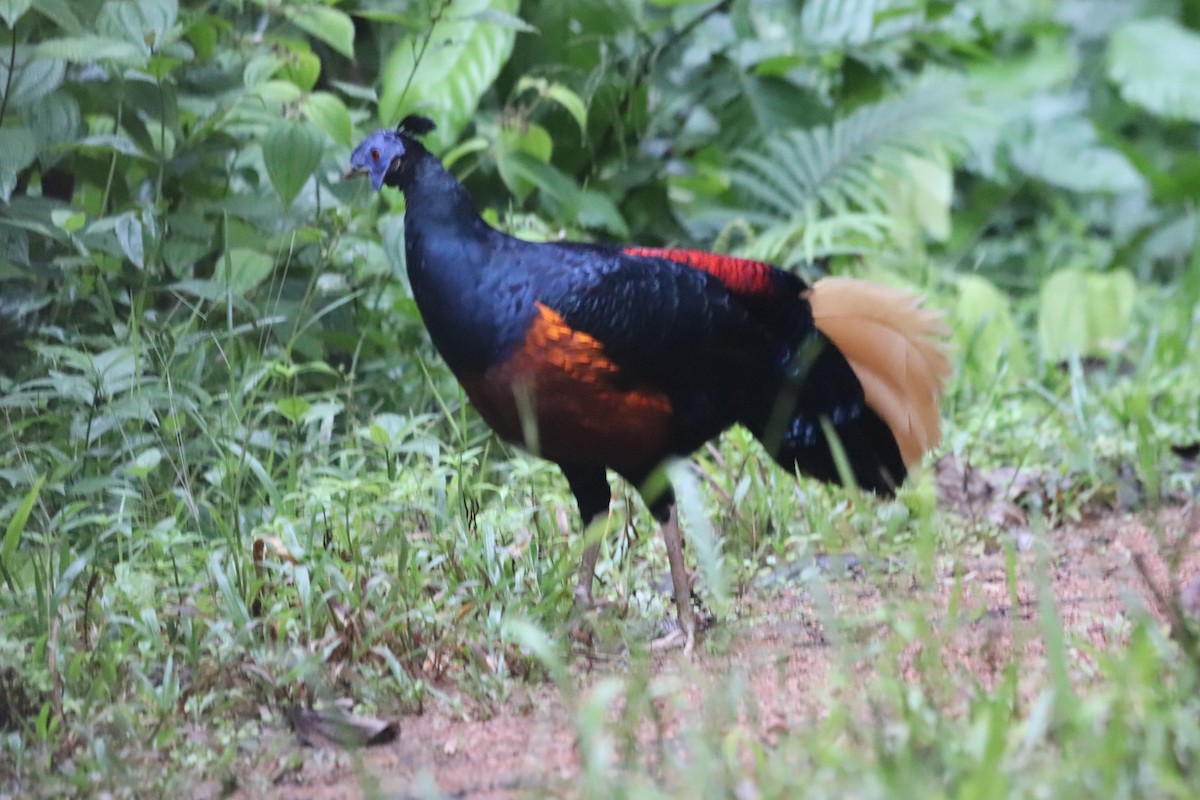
896,349
561,378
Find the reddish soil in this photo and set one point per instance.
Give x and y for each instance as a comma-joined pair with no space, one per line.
790,653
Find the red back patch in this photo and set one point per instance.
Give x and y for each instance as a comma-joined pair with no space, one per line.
742,276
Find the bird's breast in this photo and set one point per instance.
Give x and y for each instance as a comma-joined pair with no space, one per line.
558,395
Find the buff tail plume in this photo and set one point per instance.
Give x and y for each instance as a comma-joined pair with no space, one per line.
896,350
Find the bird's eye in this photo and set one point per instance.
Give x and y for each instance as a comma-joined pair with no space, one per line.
375,156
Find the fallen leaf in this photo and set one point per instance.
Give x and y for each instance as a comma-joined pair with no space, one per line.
335,726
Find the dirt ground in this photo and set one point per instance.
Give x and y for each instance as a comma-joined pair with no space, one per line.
785,657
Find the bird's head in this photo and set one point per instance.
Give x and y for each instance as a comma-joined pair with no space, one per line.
383,151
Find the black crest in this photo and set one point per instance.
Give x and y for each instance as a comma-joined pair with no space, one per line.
415,125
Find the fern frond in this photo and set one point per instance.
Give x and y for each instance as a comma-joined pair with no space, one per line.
839,171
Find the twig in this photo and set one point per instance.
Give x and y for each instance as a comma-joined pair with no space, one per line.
419,55
12,65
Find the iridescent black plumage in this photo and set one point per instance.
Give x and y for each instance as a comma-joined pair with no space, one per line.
625,356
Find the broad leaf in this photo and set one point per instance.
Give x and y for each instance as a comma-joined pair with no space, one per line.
530,139
145,24
567,200
1156,64
16,525
63,13
242,269
31,79
292,408
986,334
86,49
291,151
329,114
442,73
1065,151
330,25
54,120
145,463
11,10
560,94
129,236
19,149
1082,313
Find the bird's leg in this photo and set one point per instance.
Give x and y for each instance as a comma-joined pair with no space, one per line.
589,484
686,633
587,572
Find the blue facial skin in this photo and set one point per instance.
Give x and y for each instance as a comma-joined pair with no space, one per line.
378,155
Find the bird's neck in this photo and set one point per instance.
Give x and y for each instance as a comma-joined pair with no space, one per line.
450,252
434,198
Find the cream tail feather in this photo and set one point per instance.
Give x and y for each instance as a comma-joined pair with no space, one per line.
897,351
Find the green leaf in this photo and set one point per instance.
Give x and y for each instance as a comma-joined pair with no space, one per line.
145,463
292,408
330,25
11,10
202,35
567,200
54,120
87,49
1065,151
260,69
302,68
922,189
1155,63
460,58
16,525
504,19
62,13
531,139
986,334
329,114
1082,313
291,151
145,24
31,80
242,269
129,236
463,149
19,149
571,102
559,94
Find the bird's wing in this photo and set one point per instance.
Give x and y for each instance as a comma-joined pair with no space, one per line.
660,319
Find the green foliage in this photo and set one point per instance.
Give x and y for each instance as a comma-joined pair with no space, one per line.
442,71
987,336
237,477
1082,314
1155,63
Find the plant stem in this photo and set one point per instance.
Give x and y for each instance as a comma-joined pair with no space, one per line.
12,65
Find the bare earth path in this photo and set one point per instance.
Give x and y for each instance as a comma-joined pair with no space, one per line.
788,652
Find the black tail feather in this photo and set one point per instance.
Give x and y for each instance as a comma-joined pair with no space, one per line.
821,395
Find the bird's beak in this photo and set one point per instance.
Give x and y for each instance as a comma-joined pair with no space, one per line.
353,172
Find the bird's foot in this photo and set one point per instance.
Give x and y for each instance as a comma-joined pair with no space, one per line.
585,603
588,614
675,633
675,639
